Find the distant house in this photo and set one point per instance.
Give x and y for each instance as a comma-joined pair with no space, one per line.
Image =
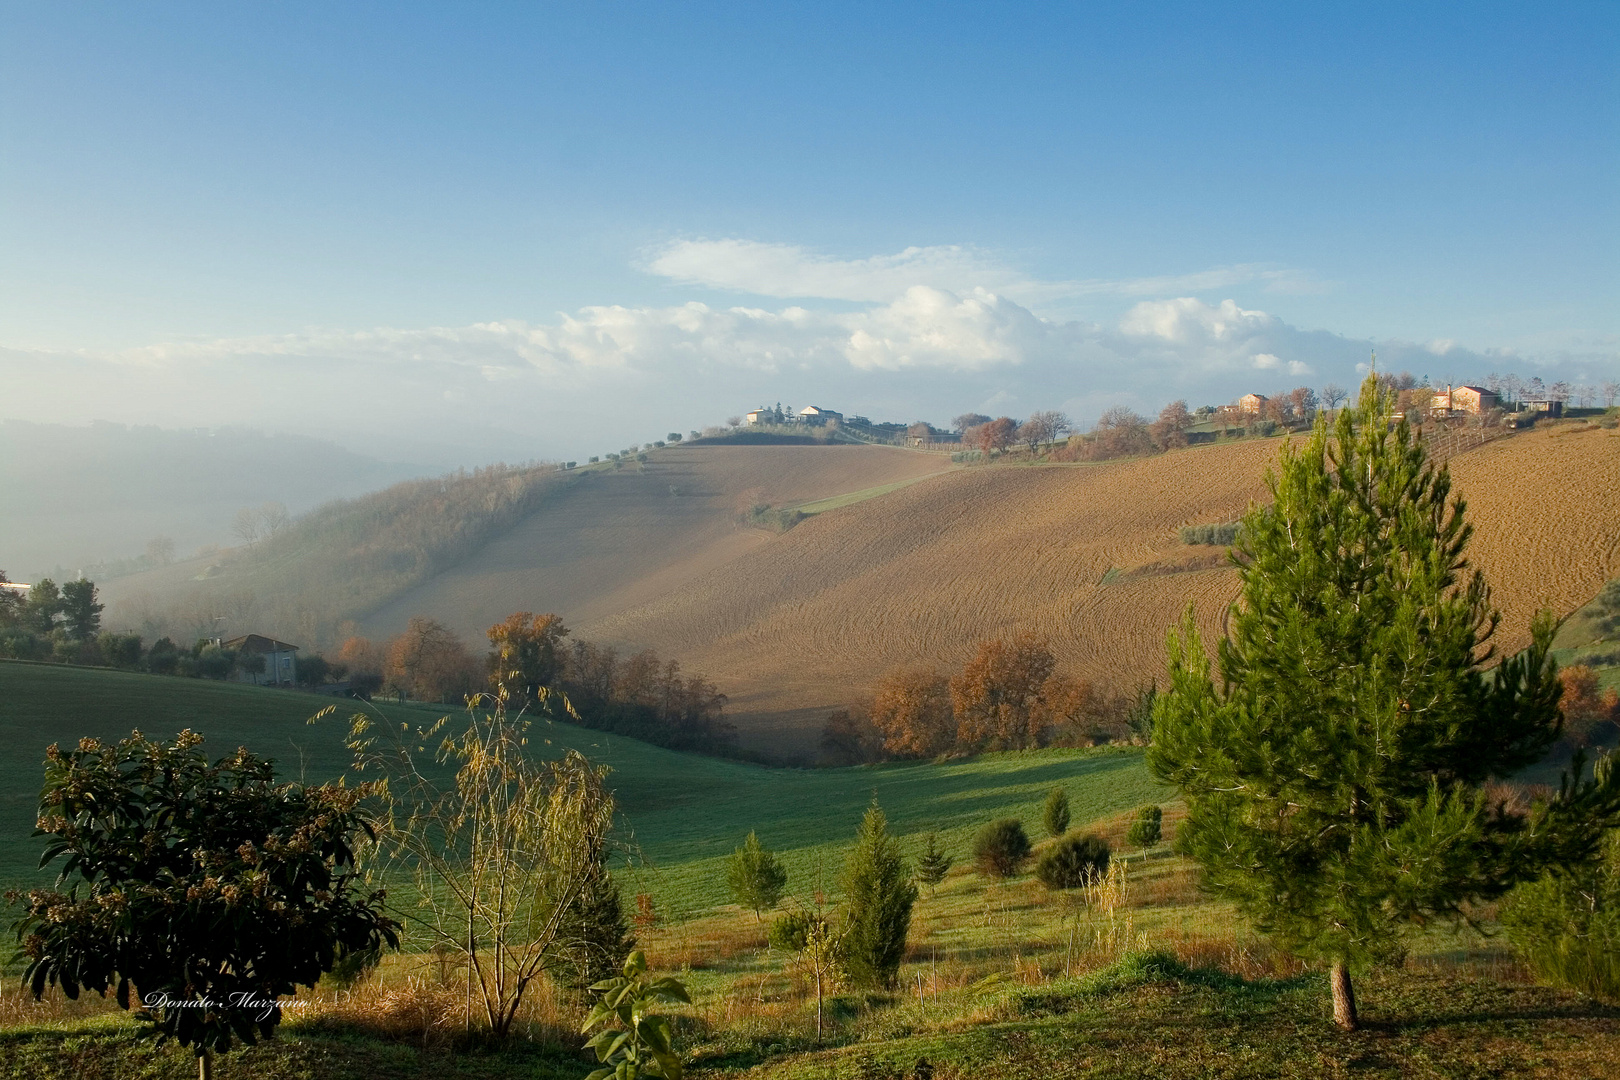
17,588
1550,407
766,414
1463,399
280,665
815,414
1252,404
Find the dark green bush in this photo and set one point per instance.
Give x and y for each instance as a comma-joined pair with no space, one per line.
1001,848
595,933
1072,862
353,967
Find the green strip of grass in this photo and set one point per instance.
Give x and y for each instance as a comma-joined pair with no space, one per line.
853,497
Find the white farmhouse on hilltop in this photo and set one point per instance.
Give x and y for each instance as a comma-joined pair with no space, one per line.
815,414
765,415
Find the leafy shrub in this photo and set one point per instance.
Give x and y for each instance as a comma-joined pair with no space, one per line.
1566,925
20,643
766,516
210,882
790,930
1001,848
1147,829
634,1043
1072,862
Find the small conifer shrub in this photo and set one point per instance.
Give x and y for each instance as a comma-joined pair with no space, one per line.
933,864
1055,815
1147,829
1072,862
1001,848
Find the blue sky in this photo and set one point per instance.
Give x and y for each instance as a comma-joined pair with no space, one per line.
524,230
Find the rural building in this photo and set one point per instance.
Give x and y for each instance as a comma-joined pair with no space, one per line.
1463,399
815,414
765,415
1546,406
17,588
1252,404
280,665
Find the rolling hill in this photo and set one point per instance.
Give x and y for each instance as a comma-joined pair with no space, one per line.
907,560
616,540
1088,556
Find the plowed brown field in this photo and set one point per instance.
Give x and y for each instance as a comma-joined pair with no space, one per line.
792,626
616,540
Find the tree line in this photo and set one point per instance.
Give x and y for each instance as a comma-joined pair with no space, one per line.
62,624
639,694
1009,696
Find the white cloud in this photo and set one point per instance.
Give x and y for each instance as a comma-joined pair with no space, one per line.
786,270
930,335
791,271
1188,320
1268,362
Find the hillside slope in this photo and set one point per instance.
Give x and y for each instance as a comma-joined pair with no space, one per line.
616,540
1087,556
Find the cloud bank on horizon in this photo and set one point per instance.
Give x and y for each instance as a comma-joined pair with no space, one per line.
921,334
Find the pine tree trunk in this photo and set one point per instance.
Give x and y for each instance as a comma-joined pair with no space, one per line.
1344,996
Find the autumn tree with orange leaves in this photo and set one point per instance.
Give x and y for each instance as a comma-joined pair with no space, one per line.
1588,710
998,696
912,709
997,434
527,651
429,662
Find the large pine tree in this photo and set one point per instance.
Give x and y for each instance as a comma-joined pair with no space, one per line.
1334,774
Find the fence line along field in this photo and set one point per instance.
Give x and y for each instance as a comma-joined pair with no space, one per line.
1089,557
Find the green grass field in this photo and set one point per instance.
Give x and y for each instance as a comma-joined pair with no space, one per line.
1000,979
684,812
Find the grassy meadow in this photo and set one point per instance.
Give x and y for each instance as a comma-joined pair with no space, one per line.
682,813
1140,976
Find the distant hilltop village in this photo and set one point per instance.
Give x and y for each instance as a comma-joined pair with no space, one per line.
810,414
